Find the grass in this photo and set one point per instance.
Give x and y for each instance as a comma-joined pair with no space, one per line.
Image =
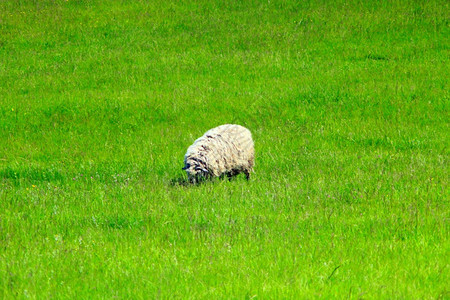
348,105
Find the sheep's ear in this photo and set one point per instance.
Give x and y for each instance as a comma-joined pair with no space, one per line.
184,168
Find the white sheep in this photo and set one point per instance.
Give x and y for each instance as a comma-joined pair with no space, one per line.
225,150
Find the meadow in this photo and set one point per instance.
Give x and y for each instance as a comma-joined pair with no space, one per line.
348,105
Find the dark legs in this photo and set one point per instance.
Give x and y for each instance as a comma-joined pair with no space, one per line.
232,174
247,174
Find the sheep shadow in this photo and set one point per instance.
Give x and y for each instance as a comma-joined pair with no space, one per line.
183,181
180,181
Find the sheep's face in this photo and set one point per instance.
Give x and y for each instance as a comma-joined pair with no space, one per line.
194,171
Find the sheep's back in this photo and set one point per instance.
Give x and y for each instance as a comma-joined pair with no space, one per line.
230,147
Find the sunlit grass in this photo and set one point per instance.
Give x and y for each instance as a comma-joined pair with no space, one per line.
348,106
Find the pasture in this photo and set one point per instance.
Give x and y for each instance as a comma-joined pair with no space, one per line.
348,105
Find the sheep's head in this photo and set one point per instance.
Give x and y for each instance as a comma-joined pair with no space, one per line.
195,170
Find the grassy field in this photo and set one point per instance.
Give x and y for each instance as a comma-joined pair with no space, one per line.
348,104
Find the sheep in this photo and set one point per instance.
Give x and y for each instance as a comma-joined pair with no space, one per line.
224,150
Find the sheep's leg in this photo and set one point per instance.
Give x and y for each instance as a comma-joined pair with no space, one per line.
230,176
247,174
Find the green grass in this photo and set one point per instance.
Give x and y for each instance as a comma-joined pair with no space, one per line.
348,104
